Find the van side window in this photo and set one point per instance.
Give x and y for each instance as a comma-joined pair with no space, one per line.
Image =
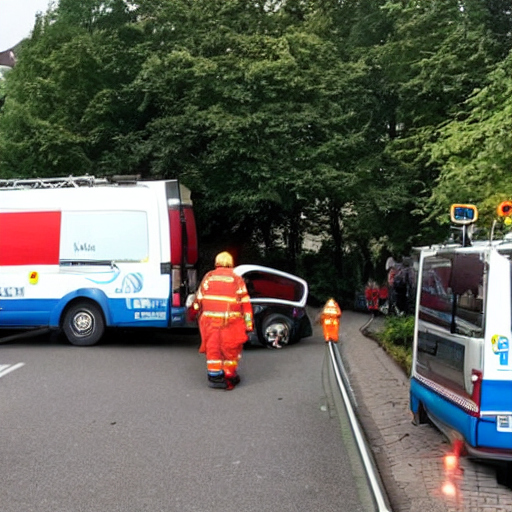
104,236
436,299
452,293
467,284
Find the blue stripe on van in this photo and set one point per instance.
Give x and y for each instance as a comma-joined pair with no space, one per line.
26,312
490,437
478,432
496,395
125,312
445,411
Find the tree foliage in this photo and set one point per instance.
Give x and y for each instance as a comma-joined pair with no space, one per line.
355,123
474,149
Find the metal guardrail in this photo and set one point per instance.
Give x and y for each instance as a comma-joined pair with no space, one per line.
343,404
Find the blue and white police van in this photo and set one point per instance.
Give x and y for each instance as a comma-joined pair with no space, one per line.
461,375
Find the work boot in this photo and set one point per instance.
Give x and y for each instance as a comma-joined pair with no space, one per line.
232,382
217,381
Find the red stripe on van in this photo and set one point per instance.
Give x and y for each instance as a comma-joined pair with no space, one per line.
29,238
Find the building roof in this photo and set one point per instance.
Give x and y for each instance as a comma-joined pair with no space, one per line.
7,58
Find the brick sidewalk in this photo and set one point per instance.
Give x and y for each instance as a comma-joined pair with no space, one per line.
410,458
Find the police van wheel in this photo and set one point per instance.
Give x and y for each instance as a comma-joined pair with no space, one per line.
83,324
420,417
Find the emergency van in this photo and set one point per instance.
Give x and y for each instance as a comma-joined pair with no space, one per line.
82,254
461,375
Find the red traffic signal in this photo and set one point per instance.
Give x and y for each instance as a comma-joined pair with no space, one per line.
505,209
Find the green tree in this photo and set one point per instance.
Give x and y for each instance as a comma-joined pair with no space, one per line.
286,118
474,149
432,60
261,122
65,100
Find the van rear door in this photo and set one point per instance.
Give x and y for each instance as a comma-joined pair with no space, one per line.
183,243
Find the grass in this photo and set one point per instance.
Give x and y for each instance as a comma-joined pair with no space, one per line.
396,339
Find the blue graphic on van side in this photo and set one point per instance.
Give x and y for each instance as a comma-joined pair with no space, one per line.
111,276
12,291
500,346
132,283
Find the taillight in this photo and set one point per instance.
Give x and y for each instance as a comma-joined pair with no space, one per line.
176,287
476,379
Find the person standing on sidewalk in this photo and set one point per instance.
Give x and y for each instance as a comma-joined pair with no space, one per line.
225,316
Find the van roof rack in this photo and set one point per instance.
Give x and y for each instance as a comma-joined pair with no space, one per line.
64,182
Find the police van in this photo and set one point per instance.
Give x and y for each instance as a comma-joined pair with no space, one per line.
461,375
83,254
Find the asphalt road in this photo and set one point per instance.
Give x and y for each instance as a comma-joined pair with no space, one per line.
131,426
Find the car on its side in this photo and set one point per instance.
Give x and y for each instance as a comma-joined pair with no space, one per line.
279,304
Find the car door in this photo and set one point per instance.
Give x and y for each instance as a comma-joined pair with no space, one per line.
279,304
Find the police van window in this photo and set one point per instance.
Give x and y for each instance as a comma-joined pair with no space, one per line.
467,282
104,236
452,293
436,299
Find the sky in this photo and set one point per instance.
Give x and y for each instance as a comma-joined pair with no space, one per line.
17,18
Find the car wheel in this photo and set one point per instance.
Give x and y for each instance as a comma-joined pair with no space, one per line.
83,324
276,331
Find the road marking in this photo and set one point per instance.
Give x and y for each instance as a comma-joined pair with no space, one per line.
8,368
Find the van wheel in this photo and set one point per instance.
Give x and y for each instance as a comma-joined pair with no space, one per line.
504,474
83,324
420,417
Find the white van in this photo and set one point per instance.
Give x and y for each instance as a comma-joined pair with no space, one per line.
82,254
462,369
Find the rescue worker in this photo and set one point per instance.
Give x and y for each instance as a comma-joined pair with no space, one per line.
330,319
371,293
225,317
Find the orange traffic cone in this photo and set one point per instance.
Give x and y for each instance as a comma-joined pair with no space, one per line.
330,318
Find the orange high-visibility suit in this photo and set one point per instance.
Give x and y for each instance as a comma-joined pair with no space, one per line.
330,318
371,293
225,316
